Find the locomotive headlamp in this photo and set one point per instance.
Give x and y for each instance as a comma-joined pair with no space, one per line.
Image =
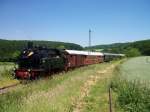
31,53
29,70
43,60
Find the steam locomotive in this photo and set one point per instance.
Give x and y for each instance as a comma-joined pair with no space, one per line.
38,61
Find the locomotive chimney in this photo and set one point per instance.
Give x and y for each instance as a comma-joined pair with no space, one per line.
30,45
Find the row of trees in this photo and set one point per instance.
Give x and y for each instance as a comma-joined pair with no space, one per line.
10,49
131,49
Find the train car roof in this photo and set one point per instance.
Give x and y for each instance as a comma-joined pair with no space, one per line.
113,54
76,52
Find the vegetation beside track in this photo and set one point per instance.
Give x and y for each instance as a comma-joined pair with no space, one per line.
6,77
131,85
136,68
58,93
96,96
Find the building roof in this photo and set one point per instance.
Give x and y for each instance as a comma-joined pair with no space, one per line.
76,52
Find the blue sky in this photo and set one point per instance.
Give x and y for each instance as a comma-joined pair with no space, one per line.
69,20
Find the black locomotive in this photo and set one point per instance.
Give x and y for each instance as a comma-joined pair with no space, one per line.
35,61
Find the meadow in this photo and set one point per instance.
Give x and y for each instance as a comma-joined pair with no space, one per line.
131,85
63,92
85,89
136,68
6,77
6,66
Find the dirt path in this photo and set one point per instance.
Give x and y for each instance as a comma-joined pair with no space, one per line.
100,75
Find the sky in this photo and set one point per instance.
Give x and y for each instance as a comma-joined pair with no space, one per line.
110,21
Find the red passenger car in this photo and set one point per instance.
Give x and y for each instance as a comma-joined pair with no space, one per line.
80,58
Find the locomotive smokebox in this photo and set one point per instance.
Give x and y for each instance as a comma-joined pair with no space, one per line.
30,45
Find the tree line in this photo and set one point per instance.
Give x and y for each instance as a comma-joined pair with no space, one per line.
131,49
10,49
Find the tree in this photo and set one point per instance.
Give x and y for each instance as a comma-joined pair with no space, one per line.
15,54
132,52
61,47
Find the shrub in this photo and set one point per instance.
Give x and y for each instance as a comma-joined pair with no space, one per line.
132,52
132,96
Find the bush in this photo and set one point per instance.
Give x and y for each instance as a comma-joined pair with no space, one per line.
132,96
132,52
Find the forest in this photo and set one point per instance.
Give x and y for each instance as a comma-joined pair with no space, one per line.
10,49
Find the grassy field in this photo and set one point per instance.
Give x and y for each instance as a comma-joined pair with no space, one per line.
131,85
63,92
6,66
136,68
6,77
84,89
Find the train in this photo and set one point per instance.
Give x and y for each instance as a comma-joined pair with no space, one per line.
35,62
112,56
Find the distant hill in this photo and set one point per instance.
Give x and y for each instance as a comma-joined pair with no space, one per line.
142,46
10,49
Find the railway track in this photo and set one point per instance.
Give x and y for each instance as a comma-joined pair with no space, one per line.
5,89
8,88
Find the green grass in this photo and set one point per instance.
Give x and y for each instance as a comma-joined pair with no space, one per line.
136,68
6,77
6,65
6,69
131,85
55,94
97,100
132,96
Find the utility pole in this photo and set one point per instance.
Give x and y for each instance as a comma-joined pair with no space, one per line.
89,38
